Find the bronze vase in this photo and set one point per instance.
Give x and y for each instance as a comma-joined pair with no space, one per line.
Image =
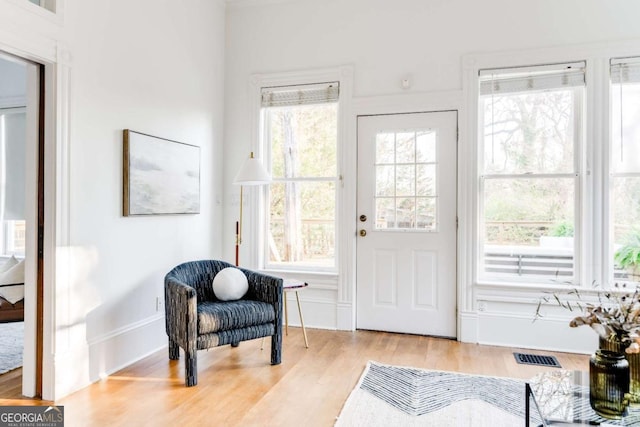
608,383
618,346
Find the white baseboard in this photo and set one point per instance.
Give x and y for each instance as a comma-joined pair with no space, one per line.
317,313
345,317
468,327
551,334
70,373
125,346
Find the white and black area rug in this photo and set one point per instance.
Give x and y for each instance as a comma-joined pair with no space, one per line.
398,396
11,345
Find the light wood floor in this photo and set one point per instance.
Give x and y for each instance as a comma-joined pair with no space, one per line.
238,387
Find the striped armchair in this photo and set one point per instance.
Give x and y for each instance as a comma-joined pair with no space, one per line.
196,320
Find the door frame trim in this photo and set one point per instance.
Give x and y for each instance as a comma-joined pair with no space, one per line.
54,56
379,105
33,103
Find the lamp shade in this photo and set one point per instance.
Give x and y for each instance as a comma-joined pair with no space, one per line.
252,173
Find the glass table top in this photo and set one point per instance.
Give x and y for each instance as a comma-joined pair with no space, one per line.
561,397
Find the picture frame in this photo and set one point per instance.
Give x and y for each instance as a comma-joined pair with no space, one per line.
160,176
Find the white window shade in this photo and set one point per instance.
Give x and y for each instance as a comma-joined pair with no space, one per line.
625,70
284,96
547,77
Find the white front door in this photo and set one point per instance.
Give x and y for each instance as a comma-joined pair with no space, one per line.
406,251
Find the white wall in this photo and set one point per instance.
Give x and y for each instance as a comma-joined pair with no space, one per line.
421,39
425,41
154,66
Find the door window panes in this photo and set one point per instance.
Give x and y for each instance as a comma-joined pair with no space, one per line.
406,175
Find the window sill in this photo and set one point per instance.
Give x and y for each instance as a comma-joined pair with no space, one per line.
322,281
323,274
545,287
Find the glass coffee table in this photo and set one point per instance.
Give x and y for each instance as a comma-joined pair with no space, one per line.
561,398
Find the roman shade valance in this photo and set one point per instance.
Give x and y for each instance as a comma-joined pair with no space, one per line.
282,96
625,70
525,79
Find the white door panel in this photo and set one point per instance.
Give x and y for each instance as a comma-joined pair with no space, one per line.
406,252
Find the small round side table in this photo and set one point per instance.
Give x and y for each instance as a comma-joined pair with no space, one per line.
293,285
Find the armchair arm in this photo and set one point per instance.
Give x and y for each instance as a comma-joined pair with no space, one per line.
268,289
263,287
181,316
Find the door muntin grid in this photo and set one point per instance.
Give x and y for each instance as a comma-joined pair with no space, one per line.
406,178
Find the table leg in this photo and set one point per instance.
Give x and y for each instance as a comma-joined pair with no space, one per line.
286,316
527,409
304,331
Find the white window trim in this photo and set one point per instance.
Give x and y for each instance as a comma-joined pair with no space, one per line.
594,159
254,220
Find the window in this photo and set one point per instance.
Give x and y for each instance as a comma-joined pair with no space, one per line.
530,142
300,127
624,199
13,238
12,181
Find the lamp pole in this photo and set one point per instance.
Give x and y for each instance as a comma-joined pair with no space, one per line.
239,230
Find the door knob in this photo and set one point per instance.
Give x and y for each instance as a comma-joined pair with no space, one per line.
363,218
363,233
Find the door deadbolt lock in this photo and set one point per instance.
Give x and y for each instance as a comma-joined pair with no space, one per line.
363,233
363,218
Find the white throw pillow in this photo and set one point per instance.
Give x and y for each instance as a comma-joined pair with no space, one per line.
10,263
230,284
13,276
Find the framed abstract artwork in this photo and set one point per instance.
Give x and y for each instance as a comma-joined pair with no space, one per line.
160,176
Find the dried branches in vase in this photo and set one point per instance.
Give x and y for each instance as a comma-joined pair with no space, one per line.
614,313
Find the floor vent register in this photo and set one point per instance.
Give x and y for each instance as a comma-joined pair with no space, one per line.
536,359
